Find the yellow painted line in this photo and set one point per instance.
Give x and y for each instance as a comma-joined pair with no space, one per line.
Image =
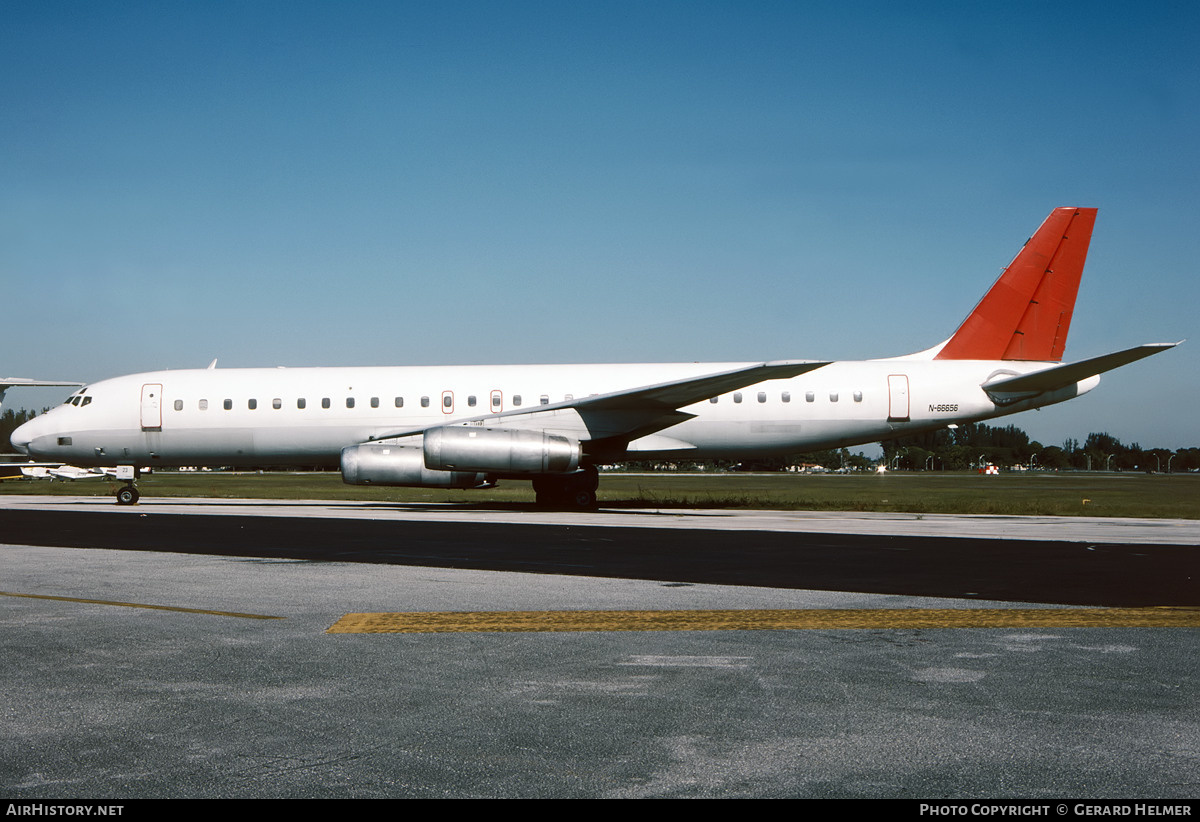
763,620
140,605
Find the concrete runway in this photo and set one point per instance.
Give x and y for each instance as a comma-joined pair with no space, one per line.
197,696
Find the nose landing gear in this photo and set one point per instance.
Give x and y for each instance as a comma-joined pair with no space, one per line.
128,494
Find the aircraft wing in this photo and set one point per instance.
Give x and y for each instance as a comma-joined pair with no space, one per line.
632,413
678,393
10,382
1061,376
16,470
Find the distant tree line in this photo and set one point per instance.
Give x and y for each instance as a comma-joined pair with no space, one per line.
10,421
979,444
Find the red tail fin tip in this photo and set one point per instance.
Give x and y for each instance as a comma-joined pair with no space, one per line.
1027,312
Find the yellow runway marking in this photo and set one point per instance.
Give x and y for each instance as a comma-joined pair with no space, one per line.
774,620
140,605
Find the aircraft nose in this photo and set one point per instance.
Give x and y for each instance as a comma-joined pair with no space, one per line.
21,438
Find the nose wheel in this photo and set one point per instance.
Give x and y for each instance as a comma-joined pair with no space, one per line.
128,493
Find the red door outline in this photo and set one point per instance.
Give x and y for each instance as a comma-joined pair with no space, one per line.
898,400
152,406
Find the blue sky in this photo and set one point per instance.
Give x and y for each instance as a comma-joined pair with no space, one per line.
310,183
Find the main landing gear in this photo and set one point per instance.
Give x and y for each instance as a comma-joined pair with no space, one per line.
127,494
576,490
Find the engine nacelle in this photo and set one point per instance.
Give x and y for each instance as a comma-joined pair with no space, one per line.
383,464
500,450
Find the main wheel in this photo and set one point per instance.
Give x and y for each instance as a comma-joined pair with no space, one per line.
127,496
589,477
574,491
583,498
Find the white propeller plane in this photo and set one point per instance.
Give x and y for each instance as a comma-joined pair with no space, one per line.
470,426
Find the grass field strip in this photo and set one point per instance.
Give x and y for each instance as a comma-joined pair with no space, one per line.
763,620
142,605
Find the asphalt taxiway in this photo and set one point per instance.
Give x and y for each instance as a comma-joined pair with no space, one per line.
184,648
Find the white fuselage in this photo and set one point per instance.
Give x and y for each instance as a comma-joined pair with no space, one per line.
305,416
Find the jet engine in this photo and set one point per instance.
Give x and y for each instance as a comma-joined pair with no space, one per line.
384,464
500,450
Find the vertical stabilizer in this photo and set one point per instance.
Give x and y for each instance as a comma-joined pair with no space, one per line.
1027,312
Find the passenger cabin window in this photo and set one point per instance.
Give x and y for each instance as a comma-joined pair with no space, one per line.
301,402
516,399
349,402
545,399
203,405
324,402
762,396
833,396
399,402
424,402
277,403
495,400
858,396
737,397
178,405
471,400
252,404
810,396
374,402
787,396
713,400
447,401
228,405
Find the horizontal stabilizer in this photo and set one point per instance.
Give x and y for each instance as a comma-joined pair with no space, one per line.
1061,376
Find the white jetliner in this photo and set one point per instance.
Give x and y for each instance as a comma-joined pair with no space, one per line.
469,426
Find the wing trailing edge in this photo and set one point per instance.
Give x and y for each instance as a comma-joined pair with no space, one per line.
636,412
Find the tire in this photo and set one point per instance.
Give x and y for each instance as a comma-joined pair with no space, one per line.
572,492
583,499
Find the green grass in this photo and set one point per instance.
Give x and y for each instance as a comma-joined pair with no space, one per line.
1065,494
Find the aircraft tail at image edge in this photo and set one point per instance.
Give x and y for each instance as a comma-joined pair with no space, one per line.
1026,314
